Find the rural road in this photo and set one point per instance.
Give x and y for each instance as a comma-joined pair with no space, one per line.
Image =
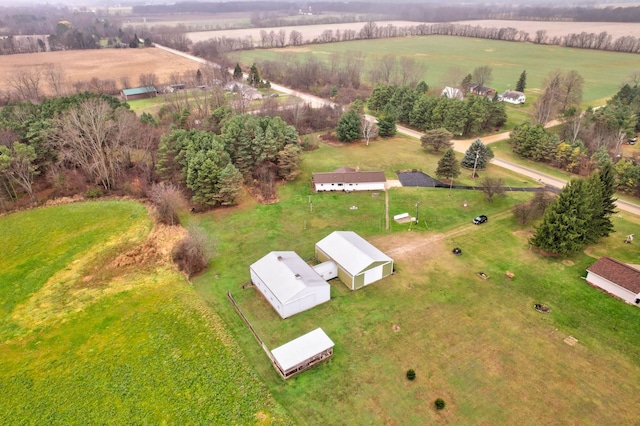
458,145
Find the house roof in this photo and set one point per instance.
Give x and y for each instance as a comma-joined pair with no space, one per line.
348,176
286,274
618,273
512,94
139,90
475,87
352,252
452,93
302,348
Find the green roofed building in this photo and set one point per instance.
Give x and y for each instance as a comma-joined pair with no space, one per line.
359,262
139,93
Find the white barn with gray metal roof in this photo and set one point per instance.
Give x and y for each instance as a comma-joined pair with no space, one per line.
288,283
302,353
359,262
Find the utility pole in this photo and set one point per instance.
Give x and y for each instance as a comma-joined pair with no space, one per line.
475,164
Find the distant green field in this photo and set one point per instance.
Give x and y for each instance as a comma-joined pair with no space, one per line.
85,342
477,344
603,72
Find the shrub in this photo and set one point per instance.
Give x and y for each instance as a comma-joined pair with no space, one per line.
167,200
193,253
440,404
411,374
94,193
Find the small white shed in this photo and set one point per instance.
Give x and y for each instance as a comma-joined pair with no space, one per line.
288,283
616,278
302,353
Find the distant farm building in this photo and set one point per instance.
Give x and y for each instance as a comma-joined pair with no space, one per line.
616,278
288,283
452,93
513,97
359,263
347,179
302,353
139,93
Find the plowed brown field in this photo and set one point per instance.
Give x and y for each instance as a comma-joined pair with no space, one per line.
83,65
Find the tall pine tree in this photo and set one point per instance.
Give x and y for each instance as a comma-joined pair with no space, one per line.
522,82
602,186
565,225
477,156
448,166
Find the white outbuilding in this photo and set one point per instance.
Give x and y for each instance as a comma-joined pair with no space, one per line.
288,283
616,278
359,262
302,353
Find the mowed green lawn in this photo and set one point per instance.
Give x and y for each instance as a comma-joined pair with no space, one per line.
85,342
603,72
478,344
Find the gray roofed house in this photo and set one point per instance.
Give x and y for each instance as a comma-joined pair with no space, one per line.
616,278
288,283
512,96
359,262
302,353
347,179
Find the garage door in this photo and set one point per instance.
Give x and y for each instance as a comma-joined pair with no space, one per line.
372,275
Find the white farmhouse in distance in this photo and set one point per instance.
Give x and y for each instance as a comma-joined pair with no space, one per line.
513,97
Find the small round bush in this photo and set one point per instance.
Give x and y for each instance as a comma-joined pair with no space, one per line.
440,404
411,375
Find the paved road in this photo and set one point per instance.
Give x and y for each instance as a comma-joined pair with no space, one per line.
458,145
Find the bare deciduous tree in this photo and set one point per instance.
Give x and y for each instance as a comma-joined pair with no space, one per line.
369,129
168,200
148,79
547,105
95,138
26,83
56,79
492,186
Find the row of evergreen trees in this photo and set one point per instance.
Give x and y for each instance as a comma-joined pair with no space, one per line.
470,116
214,167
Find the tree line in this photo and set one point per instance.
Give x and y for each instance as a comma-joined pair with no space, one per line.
94,144
472,115
587,139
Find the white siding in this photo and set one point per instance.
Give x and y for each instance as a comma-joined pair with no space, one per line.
612,288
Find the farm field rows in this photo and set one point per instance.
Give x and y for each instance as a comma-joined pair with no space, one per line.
603,72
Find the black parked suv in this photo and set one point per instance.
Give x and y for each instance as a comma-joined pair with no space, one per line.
480,219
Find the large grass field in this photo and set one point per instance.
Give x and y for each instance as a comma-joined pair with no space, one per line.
87,338
478,344
603,72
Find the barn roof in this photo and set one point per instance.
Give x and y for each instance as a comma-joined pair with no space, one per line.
347,176
286,274
617,272
139,90
512,94
302,348
352,252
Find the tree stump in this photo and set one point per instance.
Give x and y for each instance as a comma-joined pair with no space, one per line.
510,275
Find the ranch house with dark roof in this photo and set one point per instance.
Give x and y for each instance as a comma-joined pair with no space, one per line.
346,179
